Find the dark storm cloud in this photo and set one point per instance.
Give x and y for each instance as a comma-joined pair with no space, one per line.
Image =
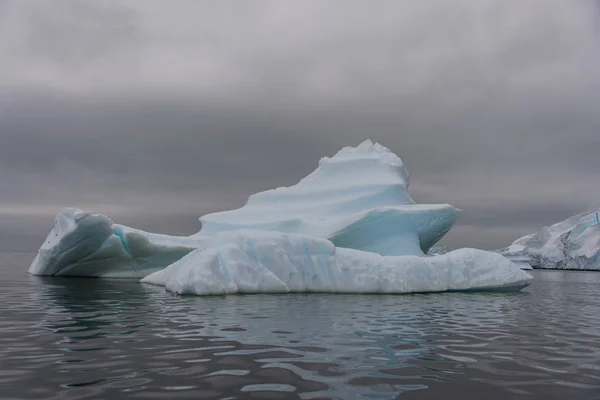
156,113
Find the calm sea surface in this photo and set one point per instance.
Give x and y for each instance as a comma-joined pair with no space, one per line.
66,338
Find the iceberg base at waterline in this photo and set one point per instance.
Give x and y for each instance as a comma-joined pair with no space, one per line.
272,262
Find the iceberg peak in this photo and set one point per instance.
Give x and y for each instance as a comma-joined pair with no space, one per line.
367,150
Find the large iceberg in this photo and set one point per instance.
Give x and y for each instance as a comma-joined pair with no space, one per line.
246,261
571,244
353,214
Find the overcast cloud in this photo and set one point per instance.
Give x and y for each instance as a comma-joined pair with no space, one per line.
156,112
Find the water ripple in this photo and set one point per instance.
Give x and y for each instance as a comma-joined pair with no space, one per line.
88,338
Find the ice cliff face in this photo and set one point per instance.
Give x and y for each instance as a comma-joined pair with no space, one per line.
570,244
349,226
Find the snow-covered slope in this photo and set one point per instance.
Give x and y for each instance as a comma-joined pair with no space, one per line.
570,244
246,261
357,199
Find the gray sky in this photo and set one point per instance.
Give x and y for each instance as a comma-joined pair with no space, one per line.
156,112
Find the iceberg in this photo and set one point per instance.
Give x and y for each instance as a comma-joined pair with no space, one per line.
246,261
351,219
571,244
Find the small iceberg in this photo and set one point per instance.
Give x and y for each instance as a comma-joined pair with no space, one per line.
571,244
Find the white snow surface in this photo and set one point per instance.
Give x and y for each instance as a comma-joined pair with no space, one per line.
247,261
571,244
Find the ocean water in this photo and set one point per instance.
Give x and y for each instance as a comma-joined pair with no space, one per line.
67,338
